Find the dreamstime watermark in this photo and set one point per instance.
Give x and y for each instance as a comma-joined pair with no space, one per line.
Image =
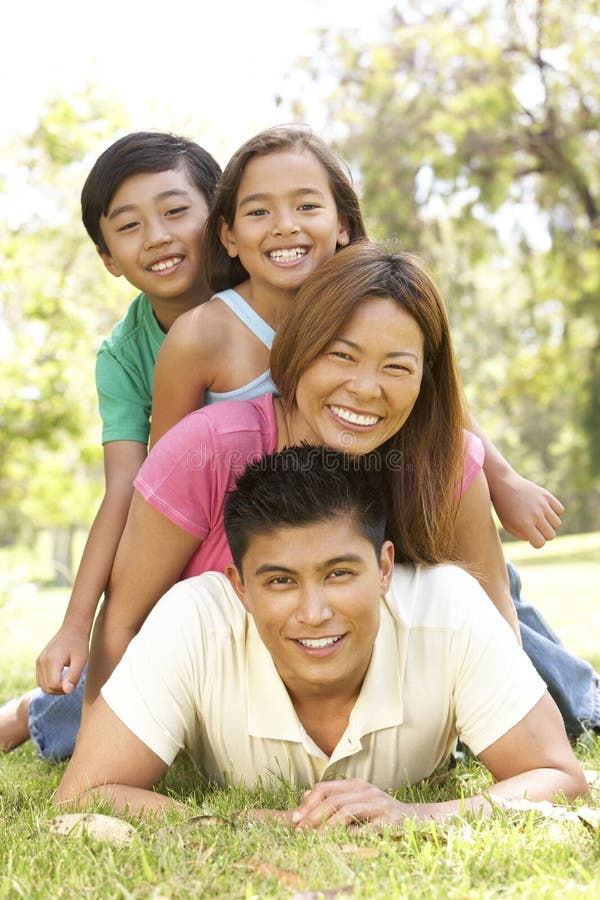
204,457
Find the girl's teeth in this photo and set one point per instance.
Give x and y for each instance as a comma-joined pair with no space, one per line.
353,417
287,255
318,642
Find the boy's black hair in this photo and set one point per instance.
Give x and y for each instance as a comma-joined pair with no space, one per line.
304,485
134,154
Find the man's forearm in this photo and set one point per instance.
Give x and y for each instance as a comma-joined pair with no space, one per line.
542,784
124,799
346,802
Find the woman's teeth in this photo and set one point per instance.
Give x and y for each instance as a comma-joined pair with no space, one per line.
354,418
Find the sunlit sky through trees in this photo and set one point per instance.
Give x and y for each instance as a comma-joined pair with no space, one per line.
218,66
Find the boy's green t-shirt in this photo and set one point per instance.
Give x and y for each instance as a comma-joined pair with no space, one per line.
125,374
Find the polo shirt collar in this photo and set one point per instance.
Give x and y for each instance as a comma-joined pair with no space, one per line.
271,713
379,704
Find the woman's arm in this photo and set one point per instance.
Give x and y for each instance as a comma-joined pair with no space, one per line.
477,546
69,646
152,554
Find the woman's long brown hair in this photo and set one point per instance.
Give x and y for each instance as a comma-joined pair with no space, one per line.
423,462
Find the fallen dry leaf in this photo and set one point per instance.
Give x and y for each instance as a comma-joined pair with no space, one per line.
191,832
592,777
101,828
590,817
328,894
206,819
268,870
361,852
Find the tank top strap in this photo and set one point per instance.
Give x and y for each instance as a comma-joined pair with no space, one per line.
240,308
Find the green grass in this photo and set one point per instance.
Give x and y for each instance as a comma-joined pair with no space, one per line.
563,581
511,855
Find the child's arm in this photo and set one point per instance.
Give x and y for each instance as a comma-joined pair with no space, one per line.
477,546
150,558
69,646
183,372
526,510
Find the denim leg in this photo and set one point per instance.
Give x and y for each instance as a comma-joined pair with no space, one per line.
54,721
572,682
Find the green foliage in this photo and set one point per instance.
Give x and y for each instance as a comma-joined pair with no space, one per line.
474,133
56,302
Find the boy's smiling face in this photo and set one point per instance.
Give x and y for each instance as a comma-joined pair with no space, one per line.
314,594
153,230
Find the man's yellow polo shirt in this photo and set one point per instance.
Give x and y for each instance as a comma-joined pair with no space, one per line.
444,664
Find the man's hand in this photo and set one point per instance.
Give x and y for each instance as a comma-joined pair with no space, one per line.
68,648
526,510
331,803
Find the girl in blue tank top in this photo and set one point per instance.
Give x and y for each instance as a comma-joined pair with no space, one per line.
284,205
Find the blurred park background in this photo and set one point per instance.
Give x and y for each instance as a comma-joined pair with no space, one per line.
472,131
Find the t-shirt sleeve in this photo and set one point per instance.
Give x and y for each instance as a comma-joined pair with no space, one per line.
474,456
185,475
124,410
153,688
496,684
189,471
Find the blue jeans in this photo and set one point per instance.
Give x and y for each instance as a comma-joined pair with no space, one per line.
572,682
54,721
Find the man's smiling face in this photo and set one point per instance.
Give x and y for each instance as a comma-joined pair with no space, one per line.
314,593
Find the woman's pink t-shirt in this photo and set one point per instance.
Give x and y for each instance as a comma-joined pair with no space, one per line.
192,468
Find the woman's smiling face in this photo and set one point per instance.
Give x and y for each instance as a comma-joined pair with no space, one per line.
361,390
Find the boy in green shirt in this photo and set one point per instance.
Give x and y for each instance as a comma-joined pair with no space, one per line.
144,204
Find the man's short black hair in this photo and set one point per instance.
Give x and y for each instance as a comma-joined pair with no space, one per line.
137,153
304,485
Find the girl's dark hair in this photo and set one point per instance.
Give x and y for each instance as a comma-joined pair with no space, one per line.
423,461
134,154
224,272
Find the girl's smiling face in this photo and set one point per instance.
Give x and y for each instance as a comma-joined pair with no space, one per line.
286,220
361,390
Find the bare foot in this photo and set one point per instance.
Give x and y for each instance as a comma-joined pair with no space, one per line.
14,722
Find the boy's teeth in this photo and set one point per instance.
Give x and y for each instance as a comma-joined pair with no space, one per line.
165,264
318,642
352,417
287,255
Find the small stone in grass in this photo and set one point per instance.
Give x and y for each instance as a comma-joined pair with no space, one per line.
101,828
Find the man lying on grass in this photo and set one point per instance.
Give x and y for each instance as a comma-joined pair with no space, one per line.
338,670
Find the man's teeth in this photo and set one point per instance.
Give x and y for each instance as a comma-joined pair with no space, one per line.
354,418
319,642
288,255
166,264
